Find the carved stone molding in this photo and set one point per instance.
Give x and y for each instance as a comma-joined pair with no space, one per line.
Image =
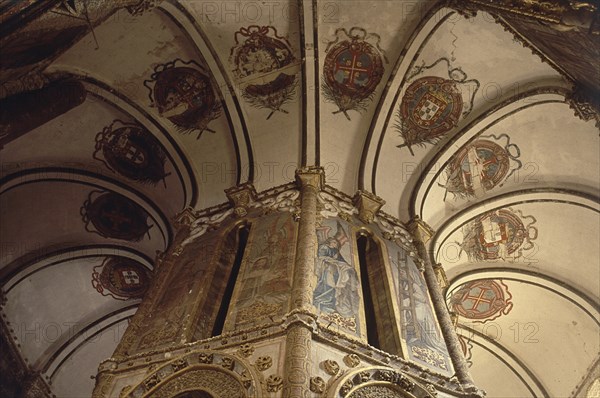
333,206
222,375
199,226
368,205
375,382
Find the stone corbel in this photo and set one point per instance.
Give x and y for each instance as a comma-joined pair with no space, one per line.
311,176
368,205
241,198
421,230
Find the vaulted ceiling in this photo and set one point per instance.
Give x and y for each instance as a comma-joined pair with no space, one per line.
465,119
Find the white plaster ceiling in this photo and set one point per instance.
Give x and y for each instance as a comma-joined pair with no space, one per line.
554,286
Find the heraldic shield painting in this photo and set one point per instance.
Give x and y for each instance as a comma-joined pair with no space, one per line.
265,67
420,331
352,70
433,105
182,92
336,295
265,283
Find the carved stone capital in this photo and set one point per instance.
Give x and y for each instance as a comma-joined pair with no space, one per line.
420,229
311,176
368,205
241,198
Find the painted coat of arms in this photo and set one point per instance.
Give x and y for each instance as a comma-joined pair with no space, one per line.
481,165
352,70
130,150
499,235
482,300
114,216
432,105
265,67
121,278
183,93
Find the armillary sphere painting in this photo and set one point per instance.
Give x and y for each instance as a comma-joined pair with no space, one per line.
265,67
433,105
122,278
481,165
336,294
420,330
352,69
183,93
482,300
500,235
130,150
111,215
265,280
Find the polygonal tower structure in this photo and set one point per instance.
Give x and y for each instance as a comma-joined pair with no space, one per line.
299,291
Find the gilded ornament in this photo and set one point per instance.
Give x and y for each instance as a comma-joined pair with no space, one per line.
352,360
246,350
179,364
228,363
431,389
151,381
124,391
263,363
274,383
205,358
405,383
364,376
346,387
331,367
317,385
385,375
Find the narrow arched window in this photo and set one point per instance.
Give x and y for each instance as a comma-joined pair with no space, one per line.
381,324
232,255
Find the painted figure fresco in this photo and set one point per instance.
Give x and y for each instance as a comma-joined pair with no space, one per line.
352,69
432,105
265,67
499,235
183,93
265,283
482,300
336,294
420,330
130,150
481,165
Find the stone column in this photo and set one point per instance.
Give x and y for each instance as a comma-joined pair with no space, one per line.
299,333
422,234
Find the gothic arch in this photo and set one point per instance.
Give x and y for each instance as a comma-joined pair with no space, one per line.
218,374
